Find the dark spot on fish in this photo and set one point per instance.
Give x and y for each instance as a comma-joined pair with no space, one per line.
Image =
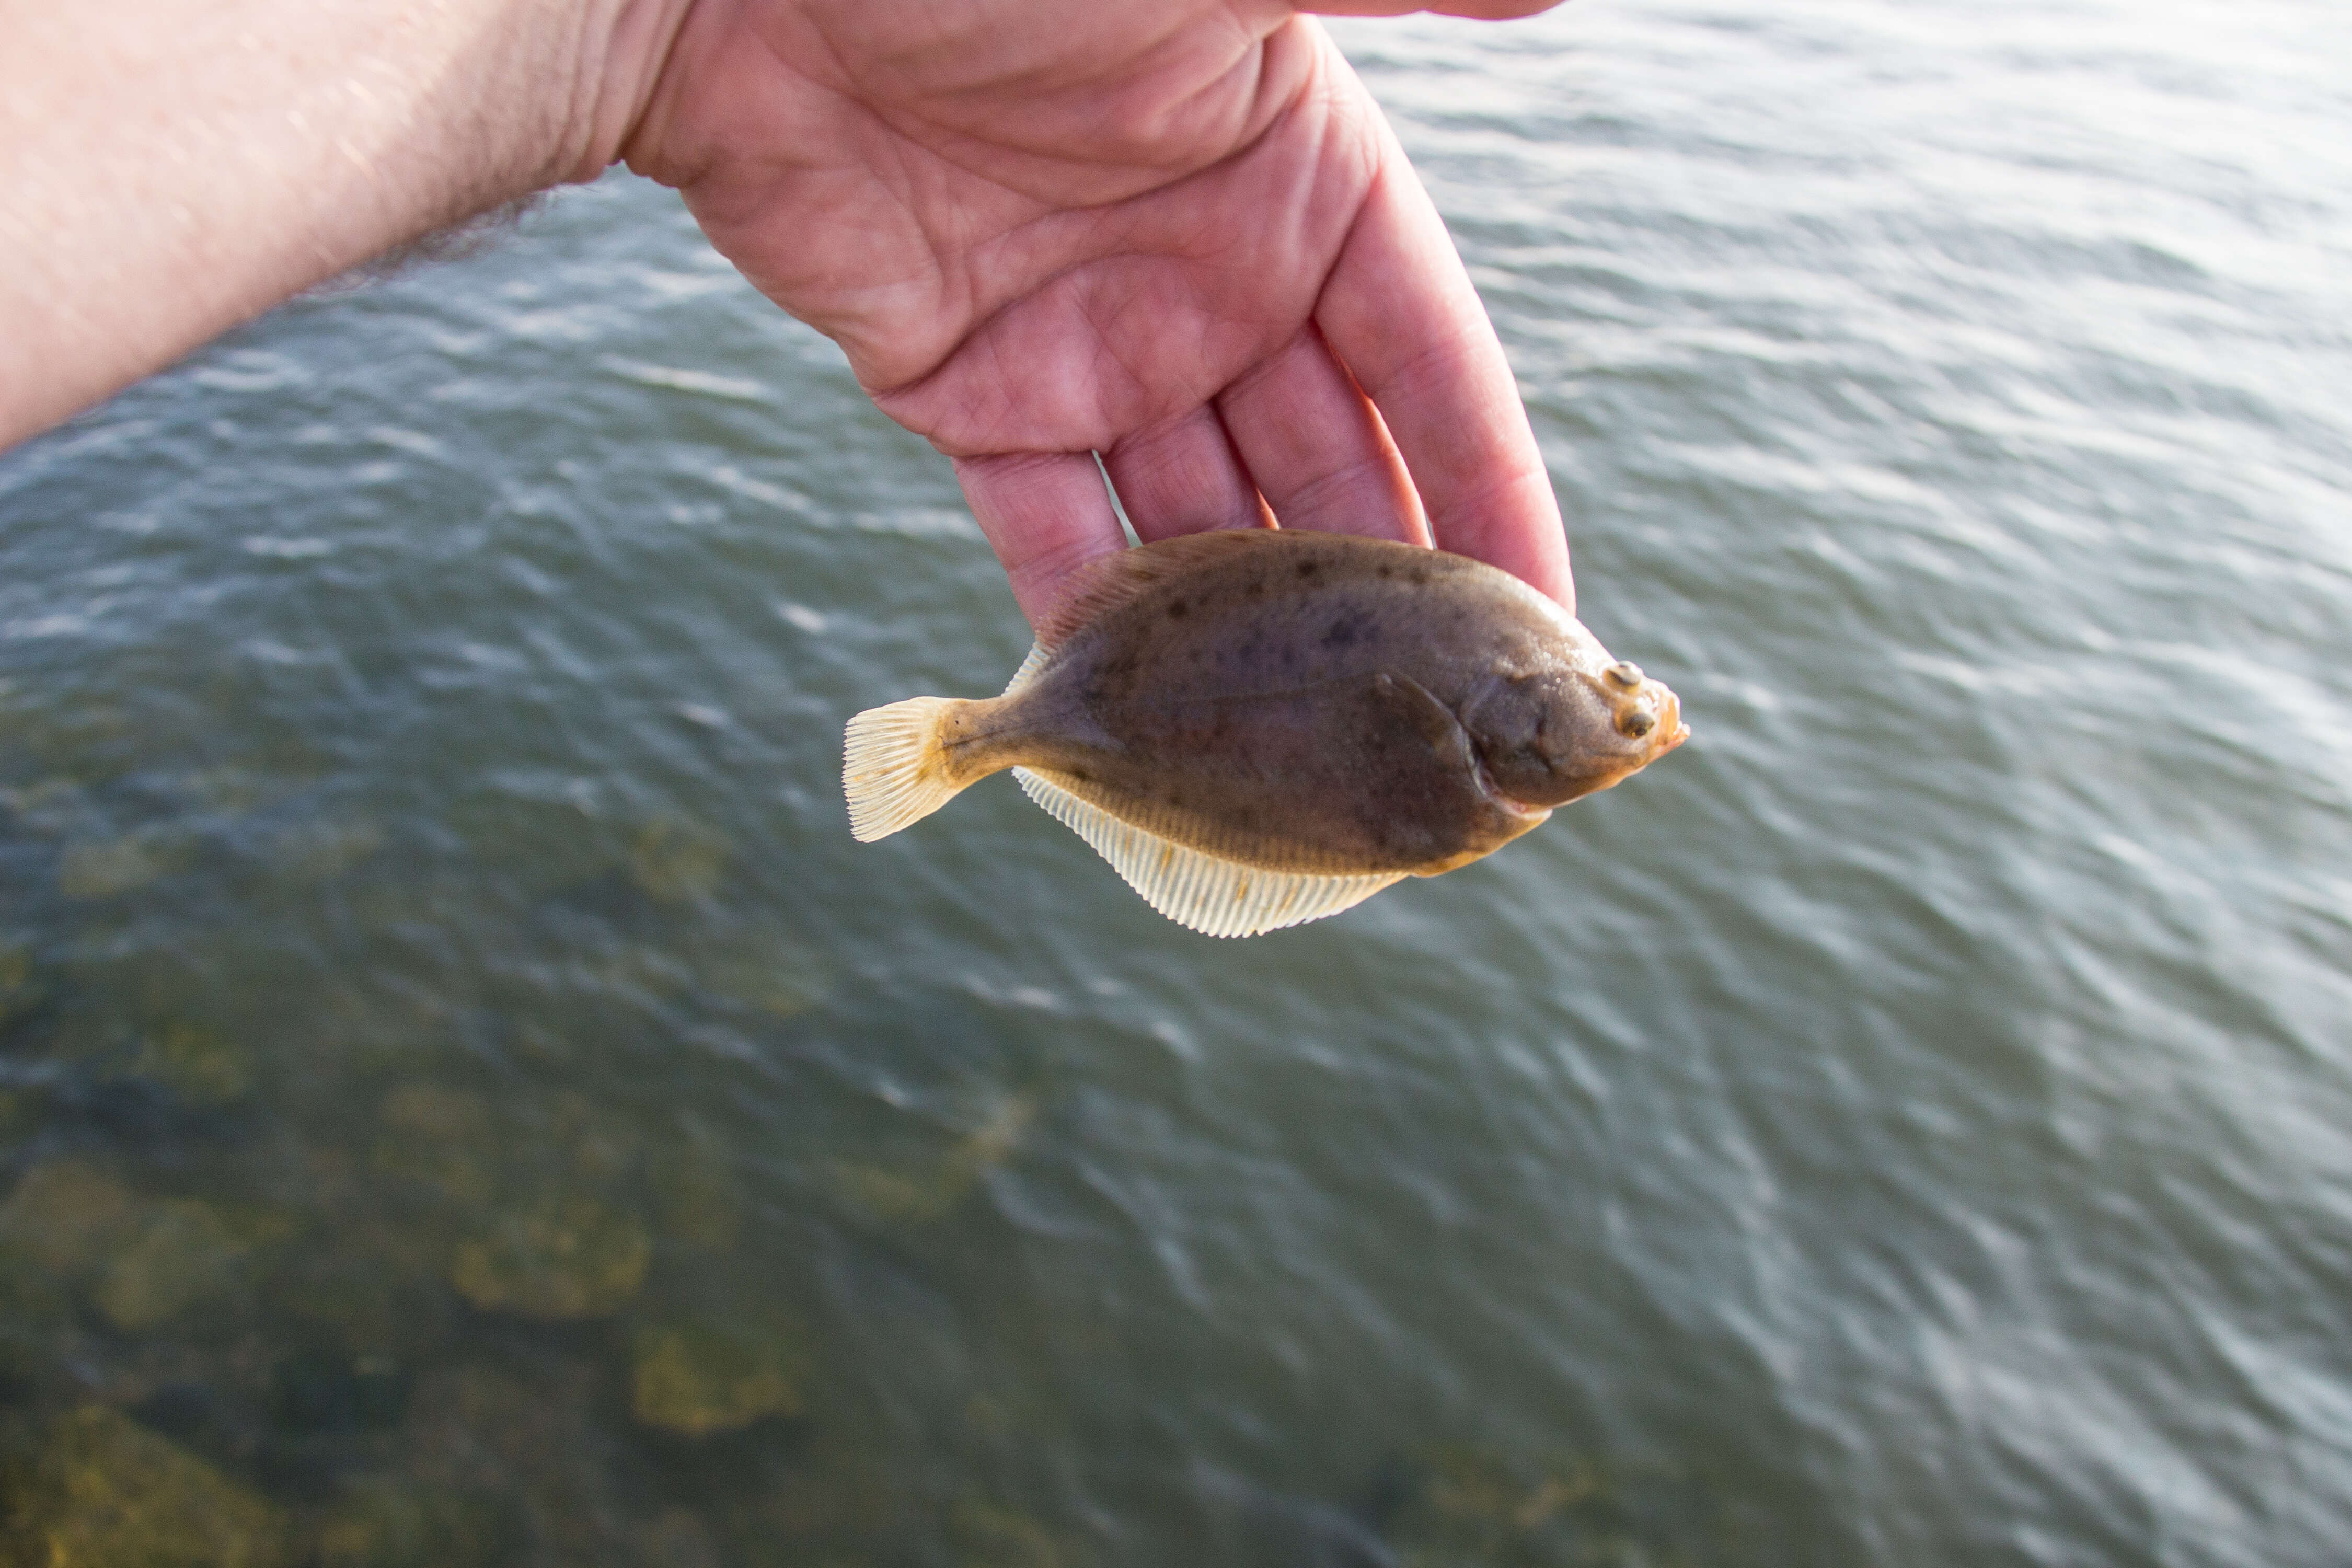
1343,632
1307,569
1176,608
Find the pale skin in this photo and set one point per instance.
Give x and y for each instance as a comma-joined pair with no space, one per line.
1176,233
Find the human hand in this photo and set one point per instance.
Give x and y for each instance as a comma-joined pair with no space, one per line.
1179,235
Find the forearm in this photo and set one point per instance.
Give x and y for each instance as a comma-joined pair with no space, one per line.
168,169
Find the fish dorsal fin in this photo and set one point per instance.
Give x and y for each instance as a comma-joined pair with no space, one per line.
1037,661
1109,580
1217,897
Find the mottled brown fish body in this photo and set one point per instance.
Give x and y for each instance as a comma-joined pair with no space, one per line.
1309,705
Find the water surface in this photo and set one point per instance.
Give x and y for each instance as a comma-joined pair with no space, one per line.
465,1098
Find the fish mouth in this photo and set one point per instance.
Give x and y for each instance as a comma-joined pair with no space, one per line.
1676,730
1518,810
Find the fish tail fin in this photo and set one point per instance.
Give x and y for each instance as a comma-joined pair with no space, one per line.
894,769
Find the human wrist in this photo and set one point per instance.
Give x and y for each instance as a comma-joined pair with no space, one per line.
623,51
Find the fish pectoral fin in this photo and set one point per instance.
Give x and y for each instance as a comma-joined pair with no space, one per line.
1215,896
1432,720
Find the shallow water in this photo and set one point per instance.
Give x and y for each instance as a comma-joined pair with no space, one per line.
467,1099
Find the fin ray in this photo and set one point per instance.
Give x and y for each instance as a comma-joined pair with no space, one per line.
892,769
1109,580
1215,896
1038,659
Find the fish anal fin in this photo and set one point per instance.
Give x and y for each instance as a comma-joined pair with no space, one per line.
1212,896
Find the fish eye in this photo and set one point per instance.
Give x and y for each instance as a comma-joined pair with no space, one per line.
1638,723
1625,673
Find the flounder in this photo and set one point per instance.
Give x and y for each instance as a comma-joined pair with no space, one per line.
1262,727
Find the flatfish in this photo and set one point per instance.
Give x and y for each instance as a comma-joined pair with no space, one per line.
1262,727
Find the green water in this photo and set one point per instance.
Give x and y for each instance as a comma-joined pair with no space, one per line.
464,1098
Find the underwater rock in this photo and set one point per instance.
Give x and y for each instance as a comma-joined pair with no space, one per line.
562,1256
931,1191
766,971
990,1535
536,845
441,1138
19,991
470,1425
228,790
677,1538
65,1216
376,1029
51,807
322,851
536,1442
915,1196
844,1492
536,1229
56,1228
1472,1487
677,861
634,970
106,1492
329,1389
378,1286
99,870
195,1062
102,869
697,1199
392,1524
182,1253
695,1379
597,1144
1472,1503
994,1140
38,1331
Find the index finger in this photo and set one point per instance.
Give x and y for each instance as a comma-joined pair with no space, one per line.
1398,309
1047,514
